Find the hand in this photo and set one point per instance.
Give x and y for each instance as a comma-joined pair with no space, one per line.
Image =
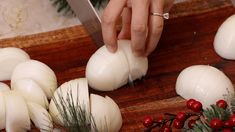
143,29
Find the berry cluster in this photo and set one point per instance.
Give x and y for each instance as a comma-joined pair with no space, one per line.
219,120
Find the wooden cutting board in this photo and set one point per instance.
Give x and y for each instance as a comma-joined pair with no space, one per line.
187,40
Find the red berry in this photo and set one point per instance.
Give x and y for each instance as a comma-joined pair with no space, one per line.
228,124
197,106
222,104
232,119
160,119
216,123
227,130
191,123
189,103
181,116
148,121
165,128
178,124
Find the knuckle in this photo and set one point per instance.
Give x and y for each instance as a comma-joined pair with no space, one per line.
107,20
139,28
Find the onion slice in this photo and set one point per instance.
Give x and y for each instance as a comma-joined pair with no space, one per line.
37,71
17,115
4,87
31,91
2,112
99,112
40,117
9,58
105,114
115,115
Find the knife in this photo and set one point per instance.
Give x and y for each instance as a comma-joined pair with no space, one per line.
89,19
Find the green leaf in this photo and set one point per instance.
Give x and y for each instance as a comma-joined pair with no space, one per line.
214,111
63,6
201,127
75,118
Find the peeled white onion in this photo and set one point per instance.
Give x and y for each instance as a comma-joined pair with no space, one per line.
138,66
224,42
105,113
78,90
106,71
40,117
17,115
4,87
2,112
31,91
9,58
37,71
203,83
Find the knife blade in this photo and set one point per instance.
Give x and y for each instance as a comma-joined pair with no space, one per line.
89,19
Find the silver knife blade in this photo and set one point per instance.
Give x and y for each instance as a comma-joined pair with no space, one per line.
89,19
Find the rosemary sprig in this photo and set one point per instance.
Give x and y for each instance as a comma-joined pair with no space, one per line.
63,6
74,116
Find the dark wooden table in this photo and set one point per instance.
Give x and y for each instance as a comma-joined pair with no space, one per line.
186,40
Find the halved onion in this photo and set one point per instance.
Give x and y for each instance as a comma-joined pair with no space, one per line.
203,83
76,91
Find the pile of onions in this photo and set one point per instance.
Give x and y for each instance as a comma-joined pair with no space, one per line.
33,83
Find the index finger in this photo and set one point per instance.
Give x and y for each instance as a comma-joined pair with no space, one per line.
108,23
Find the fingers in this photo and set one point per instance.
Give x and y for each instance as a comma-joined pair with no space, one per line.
126,24
110,16
155,26
139,23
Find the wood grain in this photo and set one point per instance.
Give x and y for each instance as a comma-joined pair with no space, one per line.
185,41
